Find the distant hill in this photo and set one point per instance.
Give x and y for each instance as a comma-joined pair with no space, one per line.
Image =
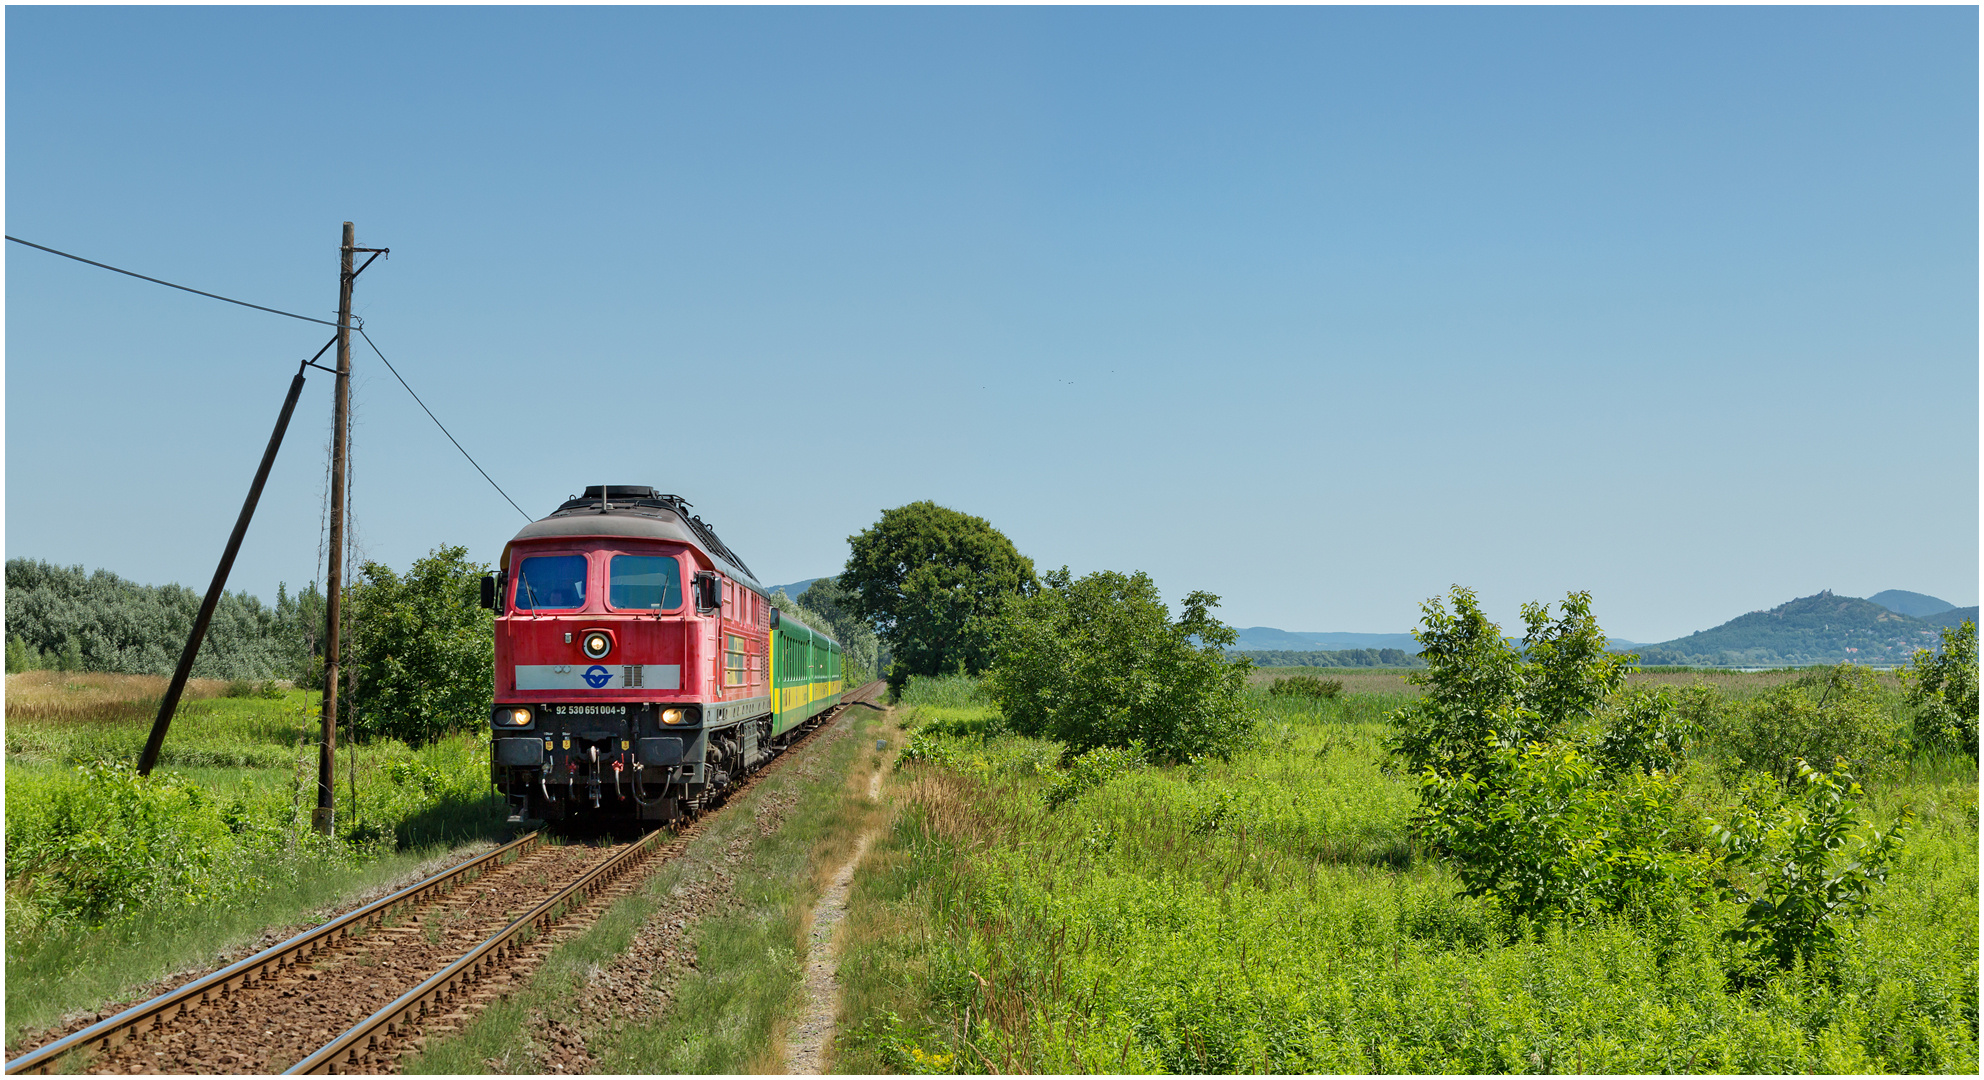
1903,602
1953,616
1821,629
793,590
1345,658
1268,638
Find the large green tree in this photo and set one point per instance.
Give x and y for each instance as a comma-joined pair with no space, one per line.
425,648
921,576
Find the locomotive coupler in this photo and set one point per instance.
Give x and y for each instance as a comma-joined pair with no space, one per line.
592,778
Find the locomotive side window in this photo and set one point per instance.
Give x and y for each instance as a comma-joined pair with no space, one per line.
551,582
641,582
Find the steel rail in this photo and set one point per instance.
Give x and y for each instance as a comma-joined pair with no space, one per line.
356,1048
222,983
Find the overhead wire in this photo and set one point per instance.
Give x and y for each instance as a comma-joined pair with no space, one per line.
439,424
356,325
168,284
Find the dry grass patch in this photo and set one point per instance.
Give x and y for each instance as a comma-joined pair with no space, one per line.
93,695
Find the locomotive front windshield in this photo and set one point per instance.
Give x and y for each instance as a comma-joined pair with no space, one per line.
551,582
644,582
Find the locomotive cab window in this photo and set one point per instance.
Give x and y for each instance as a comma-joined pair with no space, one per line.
644,582
551,583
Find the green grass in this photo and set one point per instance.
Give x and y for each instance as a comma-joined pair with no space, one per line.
113,880
1271,914
52,973
746,983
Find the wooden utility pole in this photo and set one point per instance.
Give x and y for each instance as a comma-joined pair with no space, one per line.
322,817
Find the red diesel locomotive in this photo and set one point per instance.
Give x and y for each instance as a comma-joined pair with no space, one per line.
640,667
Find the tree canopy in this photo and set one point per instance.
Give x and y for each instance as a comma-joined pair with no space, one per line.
424,646
1099,662
921,576
67,617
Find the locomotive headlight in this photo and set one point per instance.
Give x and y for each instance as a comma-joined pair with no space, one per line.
597,644
513,717
674,716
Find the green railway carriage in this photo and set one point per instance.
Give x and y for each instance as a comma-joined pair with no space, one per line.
806,673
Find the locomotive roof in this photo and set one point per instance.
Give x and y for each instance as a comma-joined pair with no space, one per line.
642,512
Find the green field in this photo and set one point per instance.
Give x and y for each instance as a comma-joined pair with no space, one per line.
1272,913
112,883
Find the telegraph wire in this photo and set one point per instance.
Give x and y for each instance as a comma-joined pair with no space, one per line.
356,325
439,424
168,284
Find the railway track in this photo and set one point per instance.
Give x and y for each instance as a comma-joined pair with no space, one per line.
352,994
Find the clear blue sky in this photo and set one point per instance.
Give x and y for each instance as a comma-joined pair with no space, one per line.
1319,310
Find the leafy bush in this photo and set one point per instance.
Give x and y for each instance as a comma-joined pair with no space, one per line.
1484,697
1089,771
1837,712
1547,838
112,844
963,723
1548,785
424,648
923,747
1098,662
1306,686
1943,691
1646,733
1807,866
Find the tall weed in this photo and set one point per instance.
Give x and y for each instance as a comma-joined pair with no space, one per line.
945,691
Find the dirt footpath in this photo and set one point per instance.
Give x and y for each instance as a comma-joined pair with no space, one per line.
806,1045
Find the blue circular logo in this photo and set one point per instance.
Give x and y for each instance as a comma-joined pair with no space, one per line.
596,676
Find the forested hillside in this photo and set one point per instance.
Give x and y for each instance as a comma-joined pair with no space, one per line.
68,617
1821,629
